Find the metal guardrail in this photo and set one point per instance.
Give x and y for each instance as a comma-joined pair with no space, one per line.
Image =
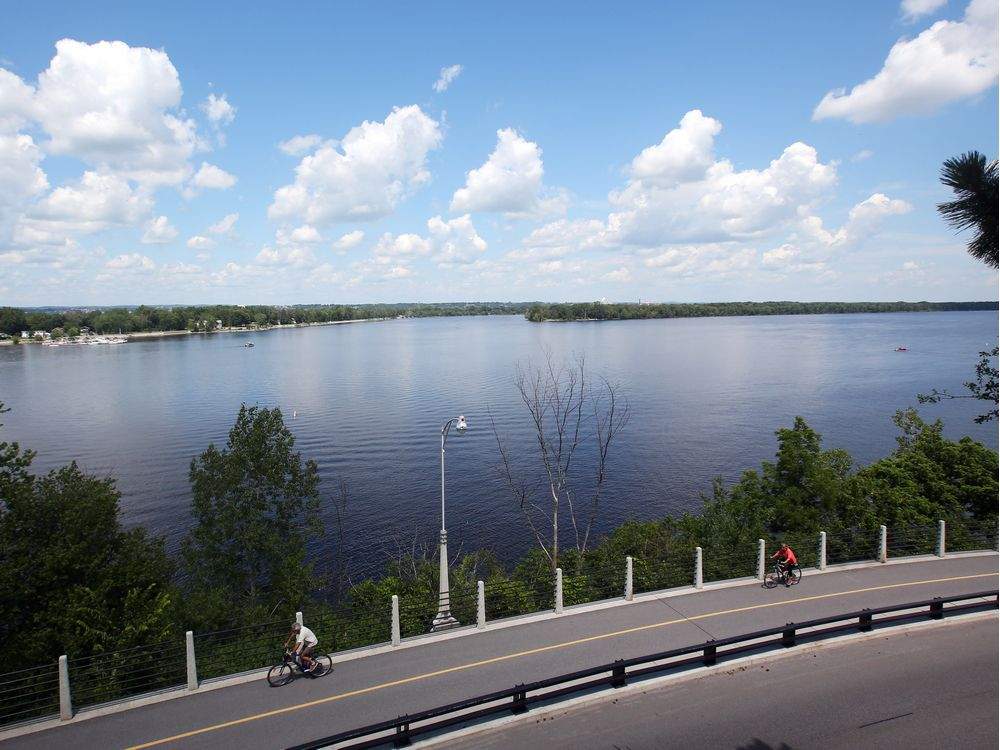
400,731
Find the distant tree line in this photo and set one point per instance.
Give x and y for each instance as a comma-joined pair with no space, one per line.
145,318
568,311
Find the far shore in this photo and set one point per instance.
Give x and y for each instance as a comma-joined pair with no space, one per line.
233,329
246,329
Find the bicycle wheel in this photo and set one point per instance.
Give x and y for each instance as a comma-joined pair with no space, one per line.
279,674
771,580
324,665
794,575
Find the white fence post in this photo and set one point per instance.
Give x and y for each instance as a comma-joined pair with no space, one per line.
65,700
298,618
480,605
629,590
761,547
395,620
192,665
559,597
940,544
883,544
822,550
697,568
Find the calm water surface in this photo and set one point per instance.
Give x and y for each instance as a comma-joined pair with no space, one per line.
707,395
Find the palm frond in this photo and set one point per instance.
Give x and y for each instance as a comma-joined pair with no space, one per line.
974,181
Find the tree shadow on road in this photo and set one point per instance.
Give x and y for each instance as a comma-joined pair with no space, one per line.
757,744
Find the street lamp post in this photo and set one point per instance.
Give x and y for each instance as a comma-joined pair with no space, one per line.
444,619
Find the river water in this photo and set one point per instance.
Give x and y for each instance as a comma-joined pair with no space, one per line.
369,399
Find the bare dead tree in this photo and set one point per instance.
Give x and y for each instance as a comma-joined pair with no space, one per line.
566,413
340,501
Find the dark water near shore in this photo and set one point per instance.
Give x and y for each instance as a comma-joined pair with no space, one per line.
707,395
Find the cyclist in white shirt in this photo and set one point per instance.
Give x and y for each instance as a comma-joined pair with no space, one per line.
305,642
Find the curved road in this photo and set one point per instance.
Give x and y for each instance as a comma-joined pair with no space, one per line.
377,687
934,687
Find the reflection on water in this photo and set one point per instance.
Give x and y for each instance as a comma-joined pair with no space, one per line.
369,398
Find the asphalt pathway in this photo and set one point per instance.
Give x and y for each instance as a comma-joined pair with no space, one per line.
932,688
378,687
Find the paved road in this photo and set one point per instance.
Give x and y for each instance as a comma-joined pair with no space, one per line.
377,687
933,688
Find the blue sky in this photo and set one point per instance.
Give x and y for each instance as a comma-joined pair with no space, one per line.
663,151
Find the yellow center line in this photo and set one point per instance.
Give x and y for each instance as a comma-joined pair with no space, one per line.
540,649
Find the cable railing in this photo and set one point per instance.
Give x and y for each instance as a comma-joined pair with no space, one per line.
111,676
973,535
29,693
512,597
236,650
370,618
664,570
851,545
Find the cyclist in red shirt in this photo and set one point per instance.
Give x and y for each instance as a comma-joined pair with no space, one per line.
786,559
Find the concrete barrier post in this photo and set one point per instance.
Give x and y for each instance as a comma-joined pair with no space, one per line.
480,605
192,665
395,620
298,618
698,583
822,550
65,699
940,542
883,544
761,552
559,597
629,593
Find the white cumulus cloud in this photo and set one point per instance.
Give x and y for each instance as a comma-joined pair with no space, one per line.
375,166
400,247
684,154
950,61
446,77
717,202
94,202
117,108
212,177
914,9
131,262
219,110
16,102
348,241
199,242
455,242
21,177
300,144
159,231
510,181
225,225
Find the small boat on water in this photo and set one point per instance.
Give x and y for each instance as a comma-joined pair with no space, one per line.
248,345
901,349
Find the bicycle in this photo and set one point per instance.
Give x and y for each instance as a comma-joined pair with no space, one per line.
285,671
778,575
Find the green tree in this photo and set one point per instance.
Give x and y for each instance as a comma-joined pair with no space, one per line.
72,579
930,477
12,320
974,181
984,388
255,505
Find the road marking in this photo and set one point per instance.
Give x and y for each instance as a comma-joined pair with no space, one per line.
540,649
